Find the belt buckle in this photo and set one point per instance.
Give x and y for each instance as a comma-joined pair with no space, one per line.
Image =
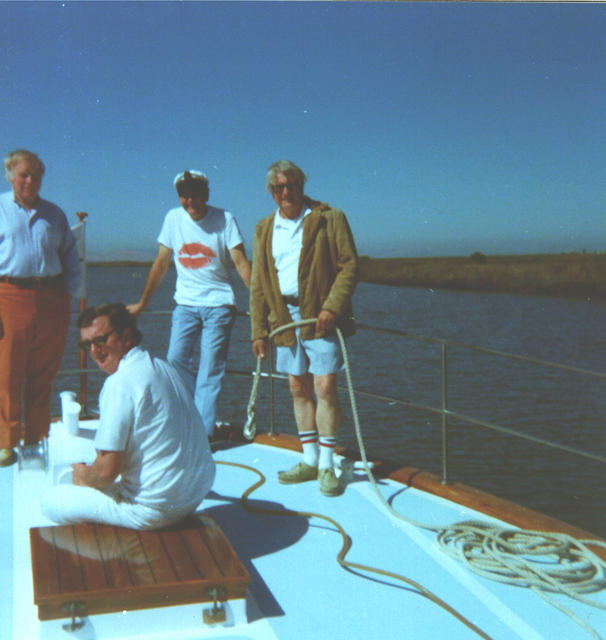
39,282
20,283
31,282
34,283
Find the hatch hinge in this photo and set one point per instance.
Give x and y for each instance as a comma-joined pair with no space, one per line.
76,611
217,614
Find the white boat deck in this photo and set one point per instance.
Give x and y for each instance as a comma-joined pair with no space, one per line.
298,589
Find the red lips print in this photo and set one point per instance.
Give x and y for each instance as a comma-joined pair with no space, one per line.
195,255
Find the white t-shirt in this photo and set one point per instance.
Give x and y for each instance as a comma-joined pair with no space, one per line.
286,244
201,252
147,412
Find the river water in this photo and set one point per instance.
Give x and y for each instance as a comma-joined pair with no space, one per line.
552,404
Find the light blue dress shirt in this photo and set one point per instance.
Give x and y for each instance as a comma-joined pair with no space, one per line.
37,243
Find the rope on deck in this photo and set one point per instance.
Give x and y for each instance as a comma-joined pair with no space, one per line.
345,546
544,562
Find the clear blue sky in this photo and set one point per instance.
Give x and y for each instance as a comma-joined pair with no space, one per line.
440,129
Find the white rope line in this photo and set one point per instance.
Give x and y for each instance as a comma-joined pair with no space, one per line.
250,427
542,561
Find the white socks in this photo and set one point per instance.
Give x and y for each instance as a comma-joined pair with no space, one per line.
317,452
309,442
327,447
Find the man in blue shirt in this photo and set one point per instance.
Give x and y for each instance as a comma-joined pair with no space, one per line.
39,271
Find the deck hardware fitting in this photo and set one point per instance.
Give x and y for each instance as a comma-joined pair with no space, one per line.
75,609
33,456
217,614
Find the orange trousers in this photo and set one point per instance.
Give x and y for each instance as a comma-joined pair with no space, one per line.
33,332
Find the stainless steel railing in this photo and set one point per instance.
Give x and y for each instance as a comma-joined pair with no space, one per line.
446,413
443,410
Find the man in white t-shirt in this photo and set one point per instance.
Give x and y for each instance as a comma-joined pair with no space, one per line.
152,467
204,241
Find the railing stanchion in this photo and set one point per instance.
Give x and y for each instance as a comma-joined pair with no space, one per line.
82,215
83,375
444,413
272,428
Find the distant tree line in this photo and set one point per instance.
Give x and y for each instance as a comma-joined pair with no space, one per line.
566,274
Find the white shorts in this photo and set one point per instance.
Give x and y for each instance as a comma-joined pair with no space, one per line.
319,357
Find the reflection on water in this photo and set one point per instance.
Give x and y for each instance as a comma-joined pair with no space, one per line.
551,404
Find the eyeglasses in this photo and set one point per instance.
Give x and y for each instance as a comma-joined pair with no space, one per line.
98,341
291,186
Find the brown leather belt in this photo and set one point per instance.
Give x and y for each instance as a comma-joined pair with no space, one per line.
292,300
34,282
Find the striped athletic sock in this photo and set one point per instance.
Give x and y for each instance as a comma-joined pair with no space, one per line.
309,442
327,447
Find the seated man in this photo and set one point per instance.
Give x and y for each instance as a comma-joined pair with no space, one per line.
150,435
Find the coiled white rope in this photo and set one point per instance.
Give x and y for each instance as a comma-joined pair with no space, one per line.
542,561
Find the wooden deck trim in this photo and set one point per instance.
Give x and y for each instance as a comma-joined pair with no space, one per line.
486,503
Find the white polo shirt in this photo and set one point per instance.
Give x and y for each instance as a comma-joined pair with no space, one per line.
147,412
286,244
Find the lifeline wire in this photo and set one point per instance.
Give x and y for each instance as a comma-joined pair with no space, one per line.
542,561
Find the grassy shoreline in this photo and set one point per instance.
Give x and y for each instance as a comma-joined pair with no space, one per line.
579,275
567,275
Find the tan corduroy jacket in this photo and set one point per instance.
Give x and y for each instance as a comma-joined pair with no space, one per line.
328,273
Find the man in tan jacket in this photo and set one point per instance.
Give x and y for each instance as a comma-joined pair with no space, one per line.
305,265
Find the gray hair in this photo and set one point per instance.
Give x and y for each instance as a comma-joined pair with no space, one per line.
285,167
19,155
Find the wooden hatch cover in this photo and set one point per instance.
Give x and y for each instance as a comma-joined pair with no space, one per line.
95,568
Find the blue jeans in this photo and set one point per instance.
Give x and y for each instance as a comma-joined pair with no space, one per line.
212,326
